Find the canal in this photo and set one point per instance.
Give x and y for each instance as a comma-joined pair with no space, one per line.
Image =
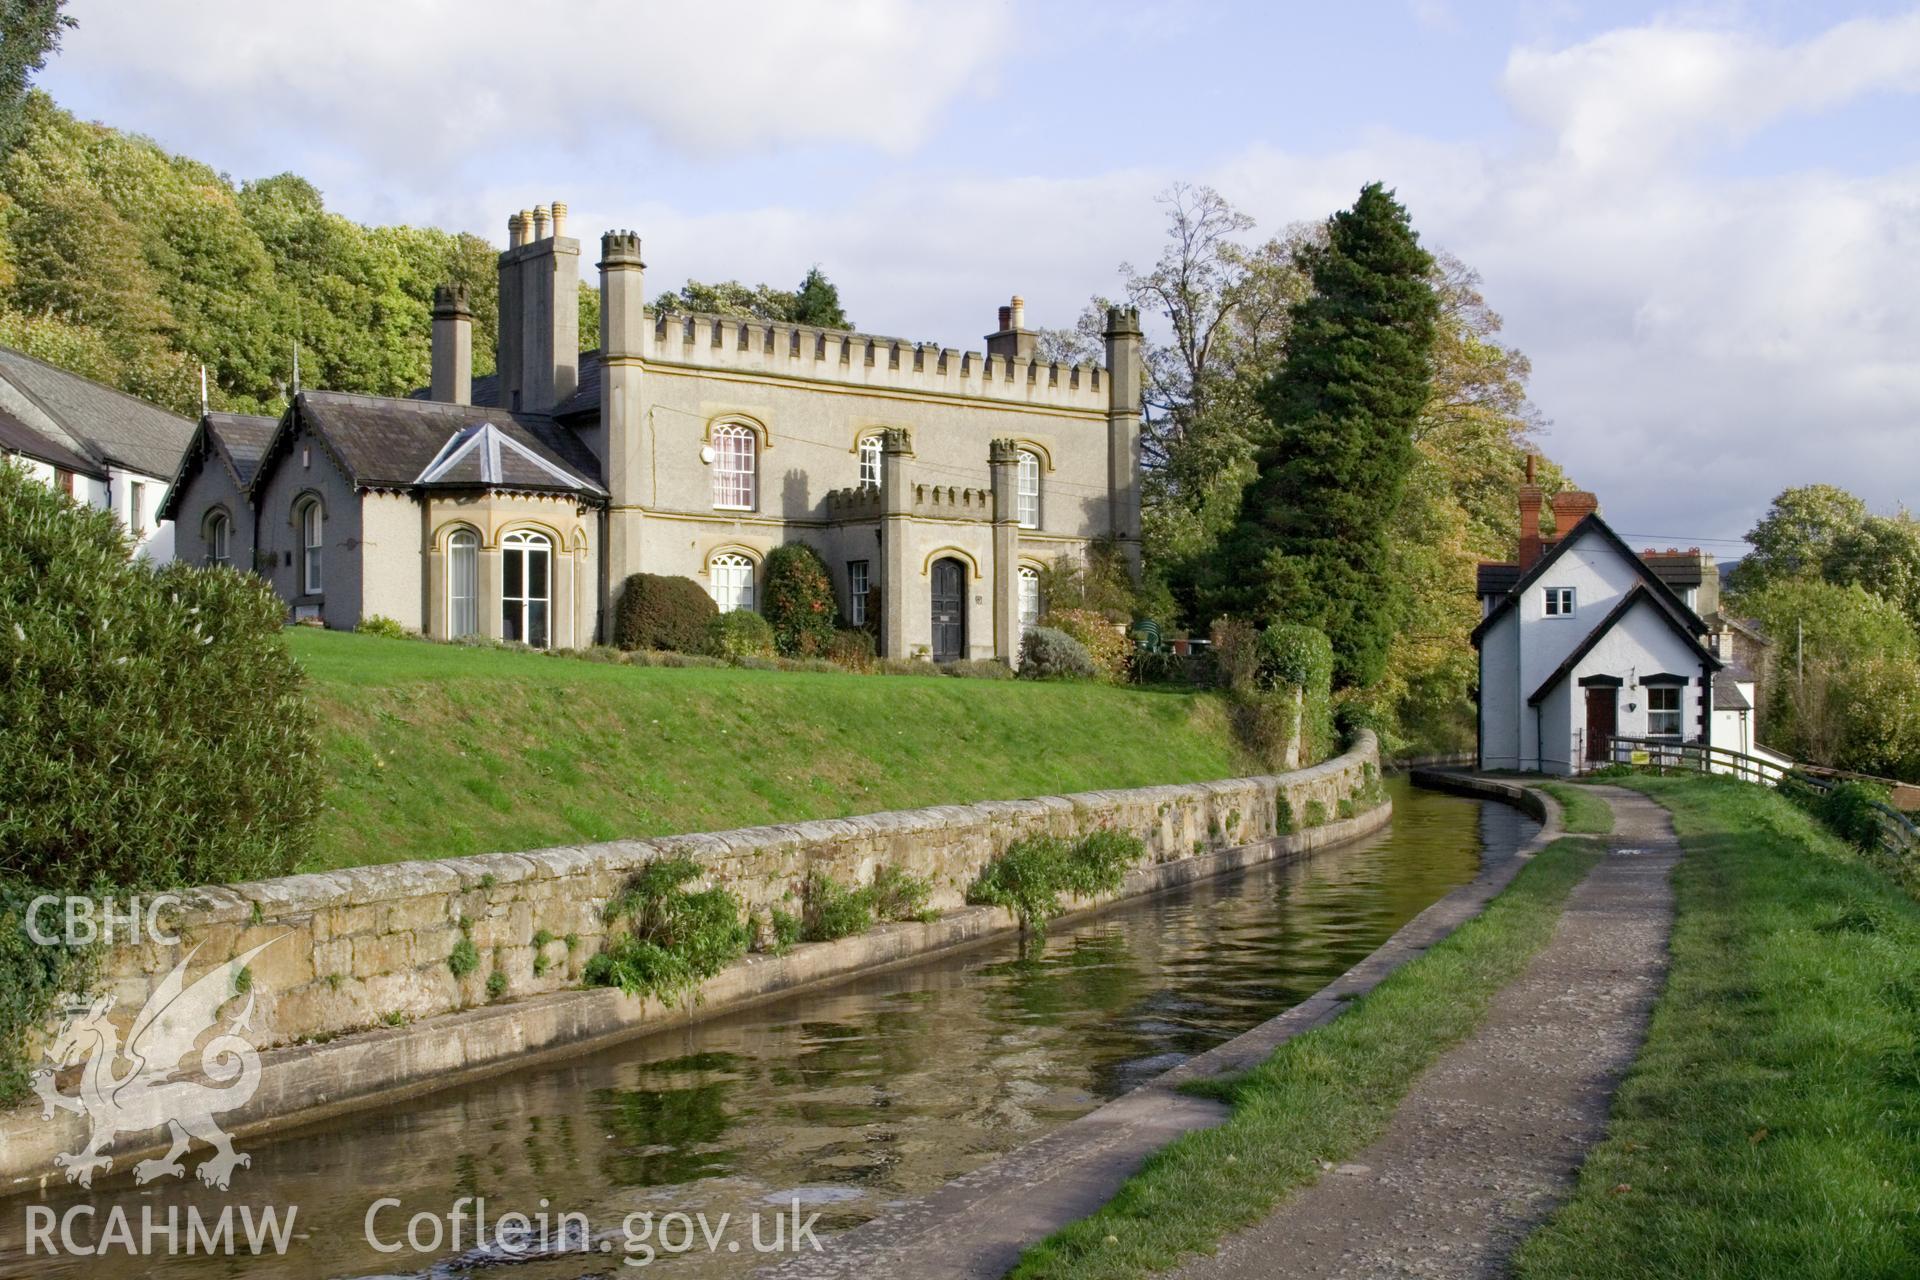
845,1100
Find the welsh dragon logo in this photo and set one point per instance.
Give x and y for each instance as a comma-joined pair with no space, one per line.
131,1089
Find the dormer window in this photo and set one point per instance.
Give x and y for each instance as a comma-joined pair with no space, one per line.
1559,602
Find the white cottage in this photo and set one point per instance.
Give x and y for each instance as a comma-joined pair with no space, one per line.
1581,640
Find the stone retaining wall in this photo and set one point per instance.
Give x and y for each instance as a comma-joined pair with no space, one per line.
370,945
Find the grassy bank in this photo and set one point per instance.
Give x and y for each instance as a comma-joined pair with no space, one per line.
437,750
1771,1126
1583,812
1321,1096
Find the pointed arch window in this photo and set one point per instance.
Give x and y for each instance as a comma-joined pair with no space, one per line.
1027,490
870,461
463,577
312,522
731,576
1029,598
734,447
219,538
526,564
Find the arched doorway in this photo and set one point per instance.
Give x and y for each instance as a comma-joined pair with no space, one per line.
949,610
525,587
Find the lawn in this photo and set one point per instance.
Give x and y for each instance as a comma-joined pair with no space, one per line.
1771,1125
438,750
1583,812
1321,1096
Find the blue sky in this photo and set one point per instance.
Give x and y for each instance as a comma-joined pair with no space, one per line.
1701,222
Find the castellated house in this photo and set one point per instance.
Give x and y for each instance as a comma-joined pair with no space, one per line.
935,483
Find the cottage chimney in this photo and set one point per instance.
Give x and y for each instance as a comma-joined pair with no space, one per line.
1531,498
452,345
1013,341
538,356
1570,507
559,219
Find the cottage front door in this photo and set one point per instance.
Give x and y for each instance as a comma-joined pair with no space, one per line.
1603,721
949,610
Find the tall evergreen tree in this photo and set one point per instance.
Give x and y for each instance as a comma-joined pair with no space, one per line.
1312,544
818,302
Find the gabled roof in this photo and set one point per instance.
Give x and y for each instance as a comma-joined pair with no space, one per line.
1640,594
1727,695
384,443
17,437
486,457
1661,592
107,426
235,439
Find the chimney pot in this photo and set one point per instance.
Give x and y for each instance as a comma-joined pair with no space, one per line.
1006,319
516,231
540,220
1019,312
559,218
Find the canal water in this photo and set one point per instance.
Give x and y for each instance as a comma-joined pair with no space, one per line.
845,1101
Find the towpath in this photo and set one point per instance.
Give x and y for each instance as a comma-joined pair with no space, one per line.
1490,1137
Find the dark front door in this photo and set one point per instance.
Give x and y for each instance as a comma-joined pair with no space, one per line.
1603,711
949,610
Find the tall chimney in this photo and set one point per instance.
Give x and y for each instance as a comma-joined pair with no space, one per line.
452,345
1014,340
1570,506
1531,497
538,356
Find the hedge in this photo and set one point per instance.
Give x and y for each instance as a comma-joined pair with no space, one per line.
659,611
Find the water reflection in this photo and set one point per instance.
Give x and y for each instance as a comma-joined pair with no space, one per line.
848,1099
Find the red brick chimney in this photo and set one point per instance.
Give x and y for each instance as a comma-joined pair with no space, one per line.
1530,500
1570,507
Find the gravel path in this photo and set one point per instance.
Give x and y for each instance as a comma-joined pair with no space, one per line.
1490,1137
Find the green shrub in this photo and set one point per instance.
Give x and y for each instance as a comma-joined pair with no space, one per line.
32,978
978,669
738,635
1316,815
832,910
796,597
1851,810
379,624
678,938
904,667
1235,647
853,650
1263,722
1029,878
1049,654
1110,649
899,895
496,984
464,958
660,611
1293,656
787,929
154,730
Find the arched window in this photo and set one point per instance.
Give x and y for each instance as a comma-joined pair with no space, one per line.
733,450
311,520
463,576
732,578
870,461
1027,491
1029,598
219,539
526,560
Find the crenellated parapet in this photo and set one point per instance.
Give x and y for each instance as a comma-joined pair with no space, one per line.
869,360
857,502
952,502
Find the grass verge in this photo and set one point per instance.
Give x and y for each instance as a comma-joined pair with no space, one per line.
439,750
1583,812
1771,1125
1321,1096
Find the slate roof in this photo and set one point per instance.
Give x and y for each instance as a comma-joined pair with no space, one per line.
17,437
1661,592
1726,693
242,438
384,443
1678,569
1496,579
108,426
584,400
486,457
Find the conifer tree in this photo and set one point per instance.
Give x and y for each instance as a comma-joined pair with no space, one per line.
817,302
1311,545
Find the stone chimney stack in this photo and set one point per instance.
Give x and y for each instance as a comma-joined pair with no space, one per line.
539,347
452,345
1013,340
1003,465
1123,428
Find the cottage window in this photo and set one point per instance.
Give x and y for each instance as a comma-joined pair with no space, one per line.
870,462
219,539
526,561
733,450
1559,602
1029,599
1027,490
137,506
1663,711
732,578
463,575
857,592
311,520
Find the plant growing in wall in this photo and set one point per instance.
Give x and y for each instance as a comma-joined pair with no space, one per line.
678,937
1030,877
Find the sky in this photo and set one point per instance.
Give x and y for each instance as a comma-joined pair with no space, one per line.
1701,223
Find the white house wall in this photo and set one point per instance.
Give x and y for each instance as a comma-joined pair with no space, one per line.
1599,578
1640,644
1500,697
